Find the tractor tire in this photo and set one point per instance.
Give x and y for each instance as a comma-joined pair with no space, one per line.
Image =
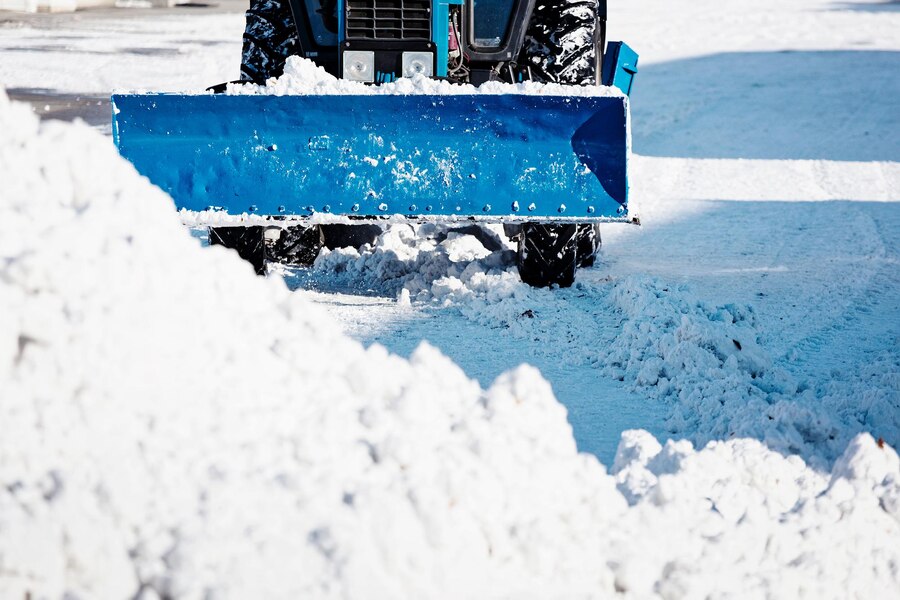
346,235
297,245
560,47
270,36
548,254
560,42
247,241
588,242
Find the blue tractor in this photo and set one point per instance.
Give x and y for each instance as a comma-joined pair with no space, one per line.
548,166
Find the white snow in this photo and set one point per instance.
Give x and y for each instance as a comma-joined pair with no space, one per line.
430,261
165,51
174,427
705,361
302,77
175,423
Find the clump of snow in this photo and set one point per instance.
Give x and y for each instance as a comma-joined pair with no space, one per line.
303,77
717,507
431,262
174,426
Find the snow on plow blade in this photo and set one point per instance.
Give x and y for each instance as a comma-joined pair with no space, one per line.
502,156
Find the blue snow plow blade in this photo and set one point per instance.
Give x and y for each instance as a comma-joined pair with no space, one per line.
502,156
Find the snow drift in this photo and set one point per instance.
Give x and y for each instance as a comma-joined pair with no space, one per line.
175,427
174,424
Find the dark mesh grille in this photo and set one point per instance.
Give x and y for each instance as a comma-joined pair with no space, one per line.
388,20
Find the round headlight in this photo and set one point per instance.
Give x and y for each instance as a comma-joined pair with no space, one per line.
416,67
359,68
418,63
359,65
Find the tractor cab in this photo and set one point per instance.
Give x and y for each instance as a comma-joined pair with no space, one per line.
465,41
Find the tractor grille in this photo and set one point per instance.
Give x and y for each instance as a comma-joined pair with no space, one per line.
389,19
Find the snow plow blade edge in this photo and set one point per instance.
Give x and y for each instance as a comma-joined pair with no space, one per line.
524,157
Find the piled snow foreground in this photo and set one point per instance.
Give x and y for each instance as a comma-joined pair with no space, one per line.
173,426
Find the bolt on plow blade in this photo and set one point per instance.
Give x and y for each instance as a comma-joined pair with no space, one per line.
507,156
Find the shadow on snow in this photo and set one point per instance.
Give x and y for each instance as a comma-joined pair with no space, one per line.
832,105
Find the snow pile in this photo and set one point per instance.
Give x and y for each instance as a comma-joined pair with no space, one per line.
699,520
430,262
175,427
706,360
304,77
470,269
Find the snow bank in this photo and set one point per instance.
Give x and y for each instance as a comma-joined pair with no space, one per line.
304,77
175,427
700,519
174,424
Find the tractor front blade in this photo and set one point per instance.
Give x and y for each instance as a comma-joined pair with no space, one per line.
511,156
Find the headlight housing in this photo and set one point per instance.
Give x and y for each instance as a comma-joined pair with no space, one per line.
418,63
359,65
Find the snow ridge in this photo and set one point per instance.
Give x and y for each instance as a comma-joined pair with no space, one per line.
431,262
175,427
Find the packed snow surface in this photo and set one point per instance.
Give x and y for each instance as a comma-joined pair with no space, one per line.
99,50
176,427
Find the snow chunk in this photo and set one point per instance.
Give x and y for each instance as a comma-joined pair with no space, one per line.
871,469
707,361
429,261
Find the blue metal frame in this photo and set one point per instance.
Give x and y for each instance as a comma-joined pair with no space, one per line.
620,66
440,22
340,16
502,157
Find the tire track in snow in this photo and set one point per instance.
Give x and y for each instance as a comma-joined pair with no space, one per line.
862,302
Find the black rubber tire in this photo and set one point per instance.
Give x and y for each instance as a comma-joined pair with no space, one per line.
560,42
247,241
548,254
270,36
560,47
347,235
296,245
588,242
